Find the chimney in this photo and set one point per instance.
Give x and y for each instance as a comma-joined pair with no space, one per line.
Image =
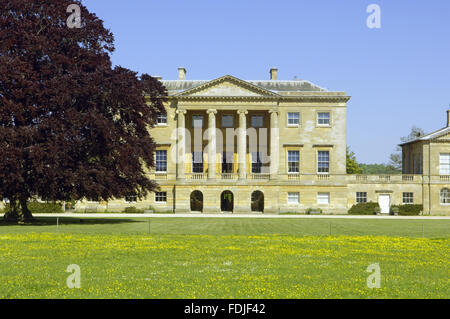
448,118
181,74
273,73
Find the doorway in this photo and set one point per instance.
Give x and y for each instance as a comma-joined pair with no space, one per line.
226,201
257,201
384,200
196,201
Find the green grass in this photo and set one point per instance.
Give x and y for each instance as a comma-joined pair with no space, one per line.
237,226
225,258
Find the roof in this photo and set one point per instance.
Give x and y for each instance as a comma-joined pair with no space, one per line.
228,78
281,87
430,136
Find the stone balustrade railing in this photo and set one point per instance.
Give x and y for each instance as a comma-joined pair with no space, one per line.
310,178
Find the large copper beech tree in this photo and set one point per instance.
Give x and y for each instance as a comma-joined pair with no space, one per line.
71,125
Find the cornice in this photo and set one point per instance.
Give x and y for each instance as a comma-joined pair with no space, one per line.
438,141
306,98
323,145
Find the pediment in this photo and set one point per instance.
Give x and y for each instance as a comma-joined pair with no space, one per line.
228,86
443,137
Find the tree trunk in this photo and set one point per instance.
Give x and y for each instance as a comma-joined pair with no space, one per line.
26,215
17,214
11,214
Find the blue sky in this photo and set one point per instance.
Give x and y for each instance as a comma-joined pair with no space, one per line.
398,76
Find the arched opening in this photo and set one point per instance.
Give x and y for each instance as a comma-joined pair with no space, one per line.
196,201
445,196
226,201
257,201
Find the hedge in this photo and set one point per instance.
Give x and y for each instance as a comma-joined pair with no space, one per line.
310,211
407,209
133,210
369,208
41,208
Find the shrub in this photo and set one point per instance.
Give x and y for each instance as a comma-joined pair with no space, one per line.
313,210
133,210
369,208
45,208
394,210
70,204
407,209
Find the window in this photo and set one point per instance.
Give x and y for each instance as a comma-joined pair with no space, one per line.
293,198
323,162
444,164
256,162
361,197
161,119
227,121
408,198
323,198
227,162
161,197
445,196
197,162
131,198
161,161
323,118
293,119
293,161
257,121
197,121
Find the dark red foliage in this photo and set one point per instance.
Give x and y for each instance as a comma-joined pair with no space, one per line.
71,126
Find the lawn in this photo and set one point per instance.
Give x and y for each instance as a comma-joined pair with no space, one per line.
225,258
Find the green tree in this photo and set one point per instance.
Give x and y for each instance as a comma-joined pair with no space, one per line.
378,169
352,164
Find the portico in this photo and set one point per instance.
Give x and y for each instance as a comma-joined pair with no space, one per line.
227,144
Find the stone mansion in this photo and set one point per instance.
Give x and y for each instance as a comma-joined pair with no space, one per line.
274,146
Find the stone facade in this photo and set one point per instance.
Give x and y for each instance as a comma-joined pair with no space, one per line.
272,146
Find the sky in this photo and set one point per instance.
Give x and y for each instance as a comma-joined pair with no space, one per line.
397,75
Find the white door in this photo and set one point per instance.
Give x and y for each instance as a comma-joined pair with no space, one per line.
384,202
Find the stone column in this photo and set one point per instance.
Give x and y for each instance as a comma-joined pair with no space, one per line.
242,144
274,144
181,144
211,144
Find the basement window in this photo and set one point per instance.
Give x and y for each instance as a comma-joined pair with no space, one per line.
361,197
161,197
293,198
408,198
131,198
323,198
